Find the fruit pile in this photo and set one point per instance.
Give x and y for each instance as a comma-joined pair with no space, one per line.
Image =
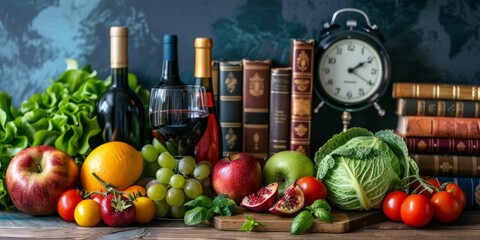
120,186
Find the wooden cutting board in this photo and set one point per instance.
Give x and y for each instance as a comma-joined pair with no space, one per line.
343,221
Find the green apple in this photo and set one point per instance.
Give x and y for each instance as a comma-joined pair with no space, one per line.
286,167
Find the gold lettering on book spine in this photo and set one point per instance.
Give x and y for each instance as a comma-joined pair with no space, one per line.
301,107
301,149
256,140
302,84
231,82
231,138
301,130
303,61
256,86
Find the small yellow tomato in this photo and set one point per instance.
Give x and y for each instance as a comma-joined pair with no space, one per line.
87,213
145,209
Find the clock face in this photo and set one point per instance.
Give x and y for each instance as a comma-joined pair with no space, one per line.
350,71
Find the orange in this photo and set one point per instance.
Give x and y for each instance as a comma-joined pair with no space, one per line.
116,163
135,189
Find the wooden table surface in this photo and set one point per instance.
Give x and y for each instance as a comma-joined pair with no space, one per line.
17,225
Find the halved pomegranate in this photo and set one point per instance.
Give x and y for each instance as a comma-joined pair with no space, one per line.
262,199
291,201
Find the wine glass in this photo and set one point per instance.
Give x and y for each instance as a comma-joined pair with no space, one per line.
178,117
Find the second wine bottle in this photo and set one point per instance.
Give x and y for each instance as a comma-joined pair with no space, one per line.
208,148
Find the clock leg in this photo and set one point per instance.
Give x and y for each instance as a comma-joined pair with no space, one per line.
346,118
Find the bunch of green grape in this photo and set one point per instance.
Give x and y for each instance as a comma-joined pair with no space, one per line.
176,180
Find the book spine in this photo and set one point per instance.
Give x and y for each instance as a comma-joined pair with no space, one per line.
230,101
435,91
448,127
256,93
471,187
215,84
455,146
280,90
437,108
436,165
302,60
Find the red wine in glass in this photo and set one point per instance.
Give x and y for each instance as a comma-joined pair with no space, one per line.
178,117
180,130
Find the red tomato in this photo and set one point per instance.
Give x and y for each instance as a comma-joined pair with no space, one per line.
97,197
421,190
66,204
458,192
416,210
446,207
392,203
313,189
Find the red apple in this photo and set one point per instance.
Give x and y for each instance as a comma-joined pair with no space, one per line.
237,176
37,176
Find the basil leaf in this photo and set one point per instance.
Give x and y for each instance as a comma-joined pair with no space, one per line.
302,222
319,203
323,215
200,201
195,216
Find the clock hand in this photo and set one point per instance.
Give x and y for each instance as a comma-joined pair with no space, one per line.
352,70
365,80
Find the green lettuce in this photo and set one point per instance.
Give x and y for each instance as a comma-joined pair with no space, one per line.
62,116
359,168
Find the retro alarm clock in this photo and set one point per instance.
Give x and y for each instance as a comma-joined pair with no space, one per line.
352,67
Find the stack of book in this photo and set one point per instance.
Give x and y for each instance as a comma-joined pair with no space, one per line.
265,109
440,124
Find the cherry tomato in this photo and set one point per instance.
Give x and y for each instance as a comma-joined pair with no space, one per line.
66,204
458,192
420,189
87,213
135,190
416,210
97,197
145,209
313,189
446,207
392,203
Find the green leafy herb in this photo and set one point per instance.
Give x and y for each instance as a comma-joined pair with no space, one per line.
195,215
200,201
304,220
224,206
203,208
250,224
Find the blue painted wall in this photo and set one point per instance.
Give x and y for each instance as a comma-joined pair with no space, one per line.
428,41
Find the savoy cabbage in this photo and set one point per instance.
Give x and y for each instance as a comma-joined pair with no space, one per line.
359,168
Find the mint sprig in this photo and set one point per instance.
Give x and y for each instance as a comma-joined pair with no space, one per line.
250,224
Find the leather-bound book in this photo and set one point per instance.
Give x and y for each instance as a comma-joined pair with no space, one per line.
448,127
280,90
256,93
438,108
436,145
215,83
435,91
302,60
231,94
439,165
